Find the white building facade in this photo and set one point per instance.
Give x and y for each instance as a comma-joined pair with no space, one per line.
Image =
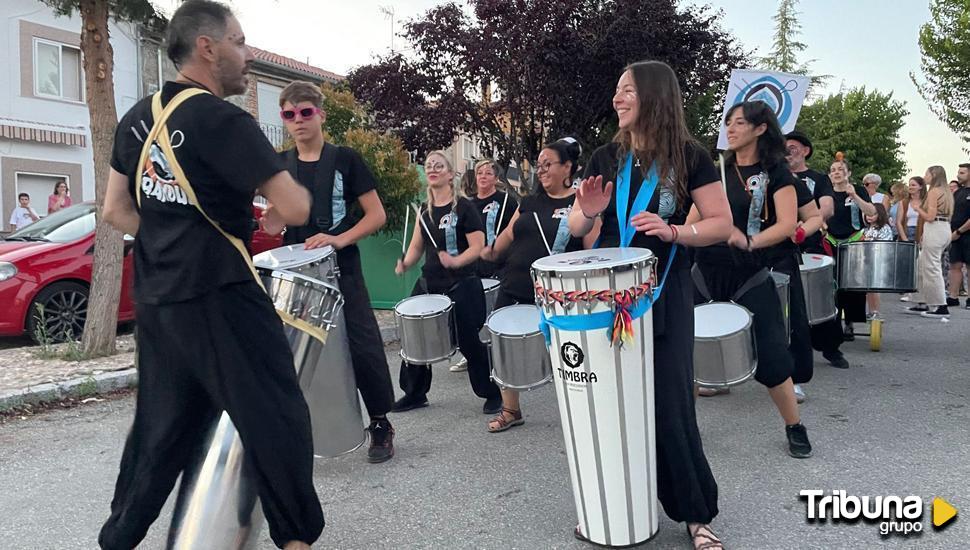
44,122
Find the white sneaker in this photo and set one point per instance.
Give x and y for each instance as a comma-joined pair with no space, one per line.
904,298
799,394
460,366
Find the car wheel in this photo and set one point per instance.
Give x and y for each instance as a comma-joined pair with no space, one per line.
65,309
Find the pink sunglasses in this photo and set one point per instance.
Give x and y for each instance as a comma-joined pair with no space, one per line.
304,113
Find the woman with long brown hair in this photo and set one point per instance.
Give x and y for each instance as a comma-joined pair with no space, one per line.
907,219
653,133
934,214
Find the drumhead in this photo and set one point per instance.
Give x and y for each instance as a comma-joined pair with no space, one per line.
425,304
489,284
597,258
517,320
719,319
288,257
815,261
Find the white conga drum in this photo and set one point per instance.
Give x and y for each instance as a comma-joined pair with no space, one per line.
604,388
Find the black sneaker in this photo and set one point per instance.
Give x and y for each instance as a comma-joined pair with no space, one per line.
951,302
917,310
940,311
798,445
967,306
836,359
381,441
492,406
407,403
848,333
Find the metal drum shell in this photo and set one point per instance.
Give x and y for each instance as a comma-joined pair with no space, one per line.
490,287
427,338
519,361
320,263
818,283
306,299
878,266
728,359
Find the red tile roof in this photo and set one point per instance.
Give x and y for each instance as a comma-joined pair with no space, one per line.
293,64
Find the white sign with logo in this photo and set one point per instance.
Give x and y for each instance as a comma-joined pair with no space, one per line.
784,92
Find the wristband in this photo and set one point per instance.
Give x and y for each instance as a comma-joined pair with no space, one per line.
593,217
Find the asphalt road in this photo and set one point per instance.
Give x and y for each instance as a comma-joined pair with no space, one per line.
897,423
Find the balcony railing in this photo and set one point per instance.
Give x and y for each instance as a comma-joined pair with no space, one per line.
276,134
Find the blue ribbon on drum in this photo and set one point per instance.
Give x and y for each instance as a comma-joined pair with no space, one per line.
607,319
602,319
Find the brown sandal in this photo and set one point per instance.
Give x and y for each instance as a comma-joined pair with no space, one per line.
501,422
704,532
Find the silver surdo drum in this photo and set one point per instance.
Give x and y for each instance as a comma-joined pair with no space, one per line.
318,263
818,281
520,359
490,286
782,285
878,266
724,349
426,327
217,507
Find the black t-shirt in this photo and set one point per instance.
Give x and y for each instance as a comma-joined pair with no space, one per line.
755,178
700,172
528,245
465,220
494,201
820,186
178,255
840,224
961,208
352,178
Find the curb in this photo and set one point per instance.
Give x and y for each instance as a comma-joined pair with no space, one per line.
97,384
75,388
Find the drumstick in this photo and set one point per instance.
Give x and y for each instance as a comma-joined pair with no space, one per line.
501,215
539,225
426,230
404,238
723,177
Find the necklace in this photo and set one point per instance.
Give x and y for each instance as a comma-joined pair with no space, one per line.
197,83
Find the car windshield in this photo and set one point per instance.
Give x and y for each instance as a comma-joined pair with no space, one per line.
63,226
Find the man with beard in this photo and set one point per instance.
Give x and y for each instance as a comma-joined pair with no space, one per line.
184,169
827,337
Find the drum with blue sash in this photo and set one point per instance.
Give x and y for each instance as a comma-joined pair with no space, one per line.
594,309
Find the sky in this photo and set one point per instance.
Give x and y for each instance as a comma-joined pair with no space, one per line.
859,42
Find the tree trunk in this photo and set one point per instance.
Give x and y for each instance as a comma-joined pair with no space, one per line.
102,320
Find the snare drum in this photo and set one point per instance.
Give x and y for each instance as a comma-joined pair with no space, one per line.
520,360
724,351
318,263
605,392
490,286
818,280
426,327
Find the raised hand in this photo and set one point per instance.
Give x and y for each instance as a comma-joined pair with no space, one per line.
593,196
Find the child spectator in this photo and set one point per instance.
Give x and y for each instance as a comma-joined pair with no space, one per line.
877,229
23,215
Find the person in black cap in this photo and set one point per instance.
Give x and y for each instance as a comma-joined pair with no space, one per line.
826,337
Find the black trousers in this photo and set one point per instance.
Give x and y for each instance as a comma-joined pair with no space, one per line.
222,351
469,310
774,362
366,345
800,347
685,485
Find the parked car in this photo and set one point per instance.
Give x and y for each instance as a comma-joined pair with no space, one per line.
48,264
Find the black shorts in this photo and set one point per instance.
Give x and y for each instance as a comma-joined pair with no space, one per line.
960,250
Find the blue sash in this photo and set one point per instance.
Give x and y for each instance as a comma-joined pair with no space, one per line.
754,211
490,228
562,235
451,233
640,203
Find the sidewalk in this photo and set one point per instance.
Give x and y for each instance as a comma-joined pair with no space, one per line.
26,378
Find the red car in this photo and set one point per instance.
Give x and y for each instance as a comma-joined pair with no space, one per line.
48,263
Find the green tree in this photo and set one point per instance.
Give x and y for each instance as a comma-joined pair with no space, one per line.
98,59
786,46
862,124
944,44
